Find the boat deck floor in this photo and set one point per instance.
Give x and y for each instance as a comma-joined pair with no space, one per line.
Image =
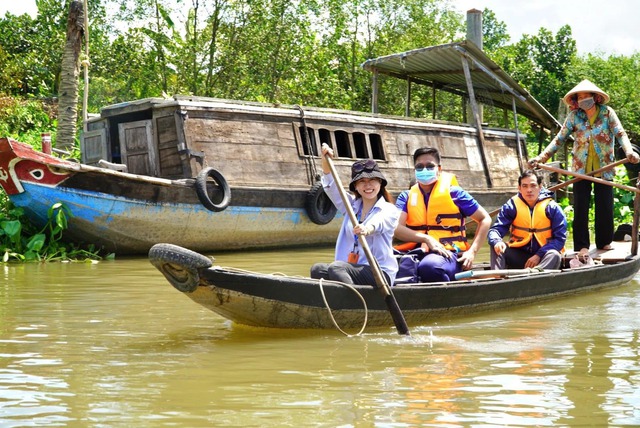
620,250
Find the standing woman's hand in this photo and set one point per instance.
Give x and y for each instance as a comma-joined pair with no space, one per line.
633,157
533,163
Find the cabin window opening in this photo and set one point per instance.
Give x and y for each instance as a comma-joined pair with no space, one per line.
312,140
360,144
377,151
342,144
325,137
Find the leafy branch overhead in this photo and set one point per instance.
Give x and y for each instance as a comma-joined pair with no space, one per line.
305,52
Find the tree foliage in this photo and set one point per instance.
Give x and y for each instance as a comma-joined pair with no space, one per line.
618,76
306,52
542,64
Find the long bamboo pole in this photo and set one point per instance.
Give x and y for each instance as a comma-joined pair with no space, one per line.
573,180
593,173
588,177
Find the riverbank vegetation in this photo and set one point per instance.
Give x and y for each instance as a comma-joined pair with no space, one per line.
306,52
21,241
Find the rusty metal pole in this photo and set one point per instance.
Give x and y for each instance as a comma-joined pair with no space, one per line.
636,220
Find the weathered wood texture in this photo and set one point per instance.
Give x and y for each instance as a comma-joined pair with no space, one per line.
260,146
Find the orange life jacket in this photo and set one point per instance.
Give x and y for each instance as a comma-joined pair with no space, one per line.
441,219
529,223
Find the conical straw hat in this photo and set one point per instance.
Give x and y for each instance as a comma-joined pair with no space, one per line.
585,86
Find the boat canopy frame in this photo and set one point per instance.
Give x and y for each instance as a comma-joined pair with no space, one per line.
463,69
443,68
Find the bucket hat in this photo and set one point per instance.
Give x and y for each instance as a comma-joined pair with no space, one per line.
585,86
367,168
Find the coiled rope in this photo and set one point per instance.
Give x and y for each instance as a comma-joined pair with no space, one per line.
333,320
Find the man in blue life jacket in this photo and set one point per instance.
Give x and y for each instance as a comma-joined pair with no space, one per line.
537,225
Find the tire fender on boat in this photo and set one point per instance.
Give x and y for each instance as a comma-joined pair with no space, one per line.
203,193
179,265
319,207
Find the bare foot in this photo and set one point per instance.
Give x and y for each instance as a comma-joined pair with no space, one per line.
607,247
583,254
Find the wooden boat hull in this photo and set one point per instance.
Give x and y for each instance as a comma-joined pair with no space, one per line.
272,180
290,302
127,214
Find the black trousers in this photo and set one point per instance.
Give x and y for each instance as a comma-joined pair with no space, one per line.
603,196
346,272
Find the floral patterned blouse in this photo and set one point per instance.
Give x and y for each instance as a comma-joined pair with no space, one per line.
603,133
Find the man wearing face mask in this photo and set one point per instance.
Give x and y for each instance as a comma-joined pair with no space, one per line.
595,128
433,218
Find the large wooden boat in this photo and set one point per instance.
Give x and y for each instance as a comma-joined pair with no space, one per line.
278,301
212,175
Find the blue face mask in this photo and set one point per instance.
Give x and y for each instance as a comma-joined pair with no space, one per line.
586,103
427,176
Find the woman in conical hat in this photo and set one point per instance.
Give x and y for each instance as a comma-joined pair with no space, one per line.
596,129
600,96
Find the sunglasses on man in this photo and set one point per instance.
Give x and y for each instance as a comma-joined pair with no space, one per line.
421,166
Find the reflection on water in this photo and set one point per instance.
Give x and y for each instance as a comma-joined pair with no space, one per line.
112,344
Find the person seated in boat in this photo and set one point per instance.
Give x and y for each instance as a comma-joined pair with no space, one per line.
378,217
537,227
433,216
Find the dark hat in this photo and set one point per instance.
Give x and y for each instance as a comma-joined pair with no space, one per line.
367,168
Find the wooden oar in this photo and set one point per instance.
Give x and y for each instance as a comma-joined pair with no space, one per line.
381,281
499,273
588,177
596,172
636,222
573,180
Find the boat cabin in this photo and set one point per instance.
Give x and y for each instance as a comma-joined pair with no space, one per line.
257,145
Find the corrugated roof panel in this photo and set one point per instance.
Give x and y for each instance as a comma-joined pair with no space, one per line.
441,66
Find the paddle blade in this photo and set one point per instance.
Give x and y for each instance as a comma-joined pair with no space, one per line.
396,315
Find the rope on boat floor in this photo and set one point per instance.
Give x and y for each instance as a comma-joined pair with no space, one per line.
333,320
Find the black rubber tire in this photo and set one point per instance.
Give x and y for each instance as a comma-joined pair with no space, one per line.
203,193
319,207
179,265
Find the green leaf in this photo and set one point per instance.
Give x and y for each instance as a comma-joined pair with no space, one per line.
12,228
36,242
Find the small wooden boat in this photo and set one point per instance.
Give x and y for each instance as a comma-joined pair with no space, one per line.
280,301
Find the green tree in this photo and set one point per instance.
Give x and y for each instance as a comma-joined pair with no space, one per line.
405,25
618,76
541,63
32,50
70,72
494,32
